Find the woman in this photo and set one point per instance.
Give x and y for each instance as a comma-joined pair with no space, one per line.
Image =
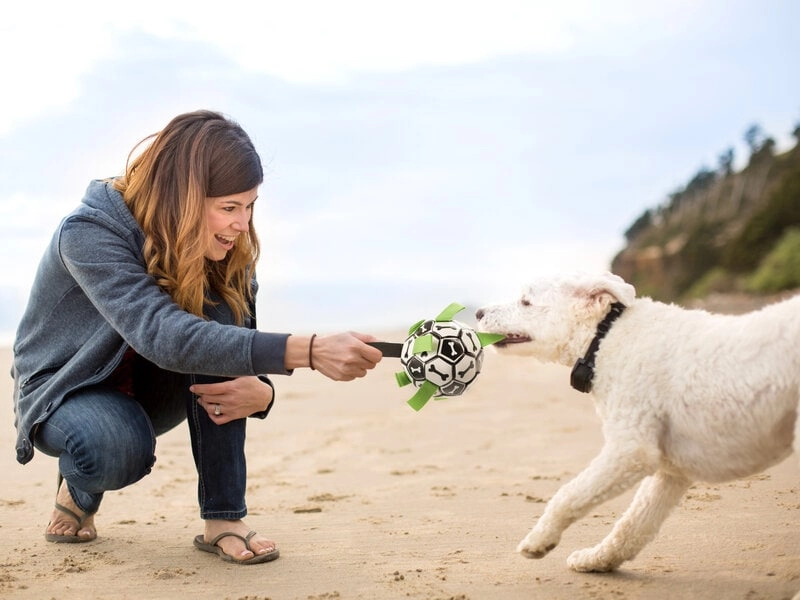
142,314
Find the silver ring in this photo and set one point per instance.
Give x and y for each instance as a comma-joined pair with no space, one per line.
217,410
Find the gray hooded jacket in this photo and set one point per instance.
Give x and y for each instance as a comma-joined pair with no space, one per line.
92,298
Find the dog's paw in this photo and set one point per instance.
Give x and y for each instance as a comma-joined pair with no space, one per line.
592,560
536,545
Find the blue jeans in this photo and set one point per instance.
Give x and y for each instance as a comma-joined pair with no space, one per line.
106,440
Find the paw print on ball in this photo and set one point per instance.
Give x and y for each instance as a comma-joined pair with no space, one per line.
442,357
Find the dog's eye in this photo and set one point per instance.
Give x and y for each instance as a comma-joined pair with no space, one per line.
525,302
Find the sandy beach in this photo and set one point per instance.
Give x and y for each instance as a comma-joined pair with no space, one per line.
368,499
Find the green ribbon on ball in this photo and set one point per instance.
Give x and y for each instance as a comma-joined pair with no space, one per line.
424,343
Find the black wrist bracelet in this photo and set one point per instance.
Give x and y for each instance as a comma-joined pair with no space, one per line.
310,346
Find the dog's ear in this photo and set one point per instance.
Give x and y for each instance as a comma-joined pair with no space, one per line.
614,288
604,289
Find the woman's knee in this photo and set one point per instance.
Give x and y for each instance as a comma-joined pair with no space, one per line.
105,444
121,461
121,456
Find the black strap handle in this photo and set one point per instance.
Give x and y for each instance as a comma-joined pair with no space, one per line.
390,349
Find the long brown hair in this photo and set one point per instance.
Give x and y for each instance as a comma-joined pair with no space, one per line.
198,155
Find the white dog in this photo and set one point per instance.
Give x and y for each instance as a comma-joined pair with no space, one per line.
683,395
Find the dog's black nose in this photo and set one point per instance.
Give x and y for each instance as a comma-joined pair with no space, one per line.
479,314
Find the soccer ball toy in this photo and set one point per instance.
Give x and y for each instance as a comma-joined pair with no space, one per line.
442,357
448,354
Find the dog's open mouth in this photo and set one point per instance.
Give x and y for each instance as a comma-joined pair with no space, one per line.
513,338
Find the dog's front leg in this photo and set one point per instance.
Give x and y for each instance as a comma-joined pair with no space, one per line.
655,498
616,469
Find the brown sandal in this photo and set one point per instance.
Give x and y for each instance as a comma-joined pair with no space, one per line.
59,538
201,544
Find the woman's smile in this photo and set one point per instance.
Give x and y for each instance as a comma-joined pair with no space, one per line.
226,241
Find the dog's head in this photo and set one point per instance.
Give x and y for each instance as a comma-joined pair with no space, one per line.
555,318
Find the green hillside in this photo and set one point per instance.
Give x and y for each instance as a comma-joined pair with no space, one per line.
724,232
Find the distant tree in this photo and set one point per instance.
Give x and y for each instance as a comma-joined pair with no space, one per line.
766,150
675,199
726,162
761,145
754,137
796,132
704,178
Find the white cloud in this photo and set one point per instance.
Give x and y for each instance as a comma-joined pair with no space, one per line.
46,47
315,41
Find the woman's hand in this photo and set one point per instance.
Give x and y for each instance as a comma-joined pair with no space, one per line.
341,357
233,399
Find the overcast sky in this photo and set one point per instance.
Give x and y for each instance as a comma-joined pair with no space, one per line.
445,148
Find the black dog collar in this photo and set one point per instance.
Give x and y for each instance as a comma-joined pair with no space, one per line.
583,371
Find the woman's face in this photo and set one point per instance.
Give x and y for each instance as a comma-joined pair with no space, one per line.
227,218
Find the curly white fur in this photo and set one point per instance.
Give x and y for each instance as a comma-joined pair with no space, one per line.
683,395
